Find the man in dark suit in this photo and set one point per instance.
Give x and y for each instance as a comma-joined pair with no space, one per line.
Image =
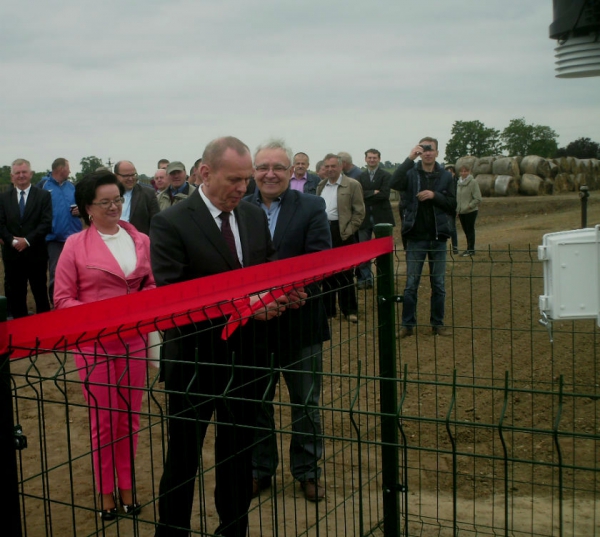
298,225
375,183
25,220
211,232
140,203
302,179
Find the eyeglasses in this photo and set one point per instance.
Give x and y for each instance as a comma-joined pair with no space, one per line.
277,168
105,204
128,176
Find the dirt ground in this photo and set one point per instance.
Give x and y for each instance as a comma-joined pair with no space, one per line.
488,338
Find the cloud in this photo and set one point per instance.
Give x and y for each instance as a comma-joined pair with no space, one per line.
142,80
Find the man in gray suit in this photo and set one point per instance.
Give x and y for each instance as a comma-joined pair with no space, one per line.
298,225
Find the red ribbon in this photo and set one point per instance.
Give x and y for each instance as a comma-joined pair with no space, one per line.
181,303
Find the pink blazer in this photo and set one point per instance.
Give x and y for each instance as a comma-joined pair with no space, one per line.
87,271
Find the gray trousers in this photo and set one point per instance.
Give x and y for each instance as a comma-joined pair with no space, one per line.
302,373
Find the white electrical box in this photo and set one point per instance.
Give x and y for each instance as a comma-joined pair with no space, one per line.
571,274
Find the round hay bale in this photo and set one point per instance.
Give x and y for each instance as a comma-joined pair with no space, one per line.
561,182
483,165
560,162
467,161
506,185
554,169
569,163
486,184
535,165
581,179
531,185
593,182
549,186
506,166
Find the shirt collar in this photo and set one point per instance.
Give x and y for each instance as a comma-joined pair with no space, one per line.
214,211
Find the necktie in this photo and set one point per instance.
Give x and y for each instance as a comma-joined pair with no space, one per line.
22,203
228,236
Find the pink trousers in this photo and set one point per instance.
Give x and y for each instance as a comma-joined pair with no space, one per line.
113,386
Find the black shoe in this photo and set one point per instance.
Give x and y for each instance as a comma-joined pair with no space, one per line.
132,509
259,484
466,253
107,514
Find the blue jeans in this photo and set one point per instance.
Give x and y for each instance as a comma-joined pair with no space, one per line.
416,252
363,271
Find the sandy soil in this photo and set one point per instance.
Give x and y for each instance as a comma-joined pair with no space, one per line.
492,309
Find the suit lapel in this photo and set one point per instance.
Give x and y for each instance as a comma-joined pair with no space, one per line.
14,203
241,217
288,207
134,200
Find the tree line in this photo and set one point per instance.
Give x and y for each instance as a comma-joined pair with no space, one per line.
518,138
468,138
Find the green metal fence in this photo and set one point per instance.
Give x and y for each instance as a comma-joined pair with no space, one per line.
492,430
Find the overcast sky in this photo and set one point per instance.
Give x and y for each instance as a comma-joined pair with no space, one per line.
146,79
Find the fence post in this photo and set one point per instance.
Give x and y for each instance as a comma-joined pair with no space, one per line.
388,386
10,514
584,194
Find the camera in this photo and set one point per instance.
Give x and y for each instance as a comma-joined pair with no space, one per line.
427,147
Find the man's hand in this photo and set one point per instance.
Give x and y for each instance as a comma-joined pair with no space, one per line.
297,298
425,195
415,152
293,300
20,244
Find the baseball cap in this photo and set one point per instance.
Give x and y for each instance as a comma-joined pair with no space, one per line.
175,166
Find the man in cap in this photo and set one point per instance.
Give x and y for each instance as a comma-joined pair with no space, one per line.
179,188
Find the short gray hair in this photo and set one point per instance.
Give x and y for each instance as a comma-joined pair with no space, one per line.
275,143
346,157
332,155
20,161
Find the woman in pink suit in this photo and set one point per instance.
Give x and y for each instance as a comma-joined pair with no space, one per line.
109,258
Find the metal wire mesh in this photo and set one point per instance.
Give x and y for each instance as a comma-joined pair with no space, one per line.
498,429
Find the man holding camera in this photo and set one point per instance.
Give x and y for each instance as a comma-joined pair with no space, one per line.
428,203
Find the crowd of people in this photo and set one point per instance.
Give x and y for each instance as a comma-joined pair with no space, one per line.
109,235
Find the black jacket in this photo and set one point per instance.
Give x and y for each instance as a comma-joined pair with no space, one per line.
430,220
377,205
